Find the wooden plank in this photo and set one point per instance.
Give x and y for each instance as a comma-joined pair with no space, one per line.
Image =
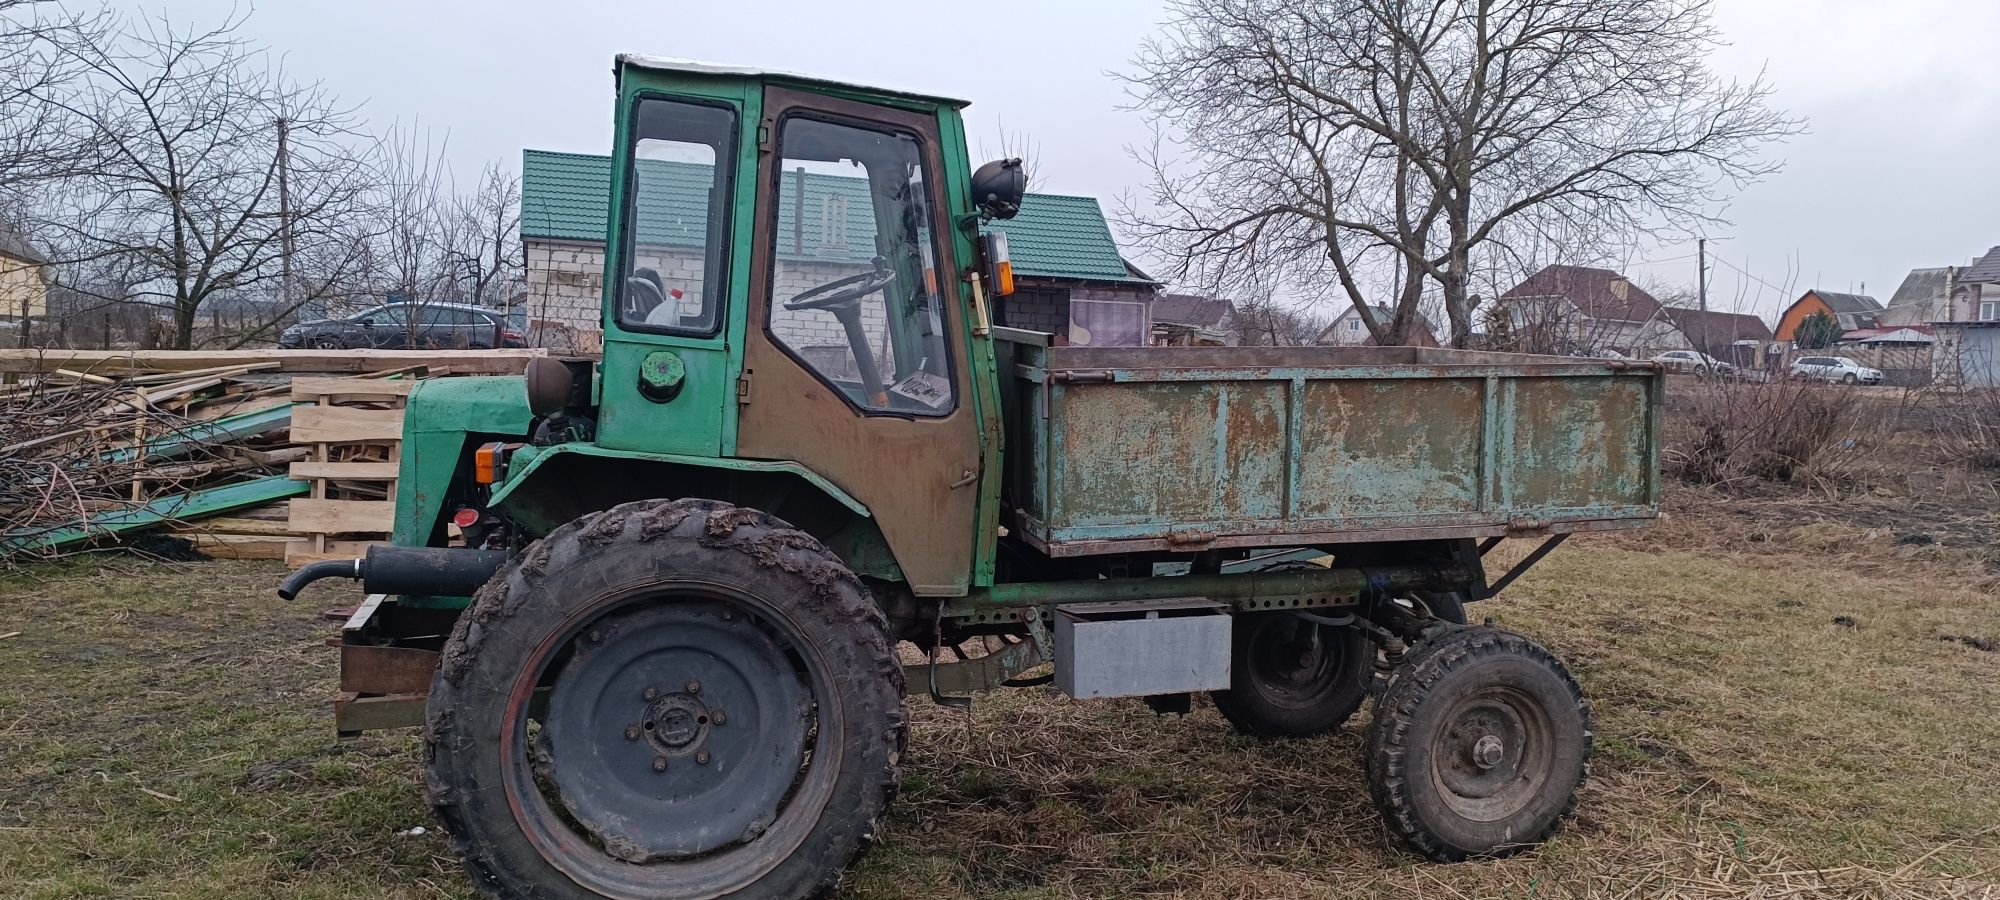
238,546
220,371
300,552
460,362
342,516
379,471
341,425
366,669
353,715
313,387
237,525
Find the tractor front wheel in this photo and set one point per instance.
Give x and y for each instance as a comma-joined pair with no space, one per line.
1479,745
668,699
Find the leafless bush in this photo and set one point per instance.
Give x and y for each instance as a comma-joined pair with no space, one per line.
1967,424
1785,431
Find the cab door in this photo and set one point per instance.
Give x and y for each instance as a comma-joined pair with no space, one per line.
852,362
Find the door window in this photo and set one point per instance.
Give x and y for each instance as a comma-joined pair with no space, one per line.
677,198
854,283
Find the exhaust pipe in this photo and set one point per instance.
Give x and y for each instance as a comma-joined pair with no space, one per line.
426,571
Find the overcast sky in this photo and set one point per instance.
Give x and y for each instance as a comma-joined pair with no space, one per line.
1897,171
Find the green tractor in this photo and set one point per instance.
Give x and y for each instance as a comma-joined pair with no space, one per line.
657,613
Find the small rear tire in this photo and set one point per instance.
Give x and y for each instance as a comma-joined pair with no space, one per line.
1478,746
1850,379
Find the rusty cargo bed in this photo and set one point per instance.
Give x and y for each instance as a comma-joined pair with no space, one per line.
1190,448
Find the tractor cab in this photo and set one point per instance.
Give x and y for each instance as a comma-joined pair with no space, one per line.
794,276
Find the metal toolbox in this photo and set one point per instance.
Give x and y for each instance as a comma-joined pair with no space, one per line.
1142,648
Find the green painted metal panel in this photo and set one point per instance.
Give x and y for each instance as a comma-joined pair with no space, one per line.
437,421
525,465
180,507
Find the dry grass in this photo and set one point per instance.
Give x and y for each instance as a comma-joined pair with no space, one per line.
165,735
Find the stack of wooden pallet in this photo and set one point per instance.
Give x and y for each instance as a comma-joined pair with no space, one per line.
353,428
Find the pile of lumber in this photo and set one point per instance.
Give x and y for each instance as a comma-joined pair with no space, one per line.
96,447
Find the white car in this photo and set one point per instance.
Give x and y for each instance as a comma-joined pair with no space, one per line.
1693,361
1834,369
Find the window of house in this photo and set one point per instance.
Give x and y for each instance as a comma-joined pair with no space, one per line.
1989,310
1106,323
1353,324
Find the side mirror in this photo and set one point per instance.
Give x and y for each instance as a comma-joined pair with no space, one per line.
368,322
997,188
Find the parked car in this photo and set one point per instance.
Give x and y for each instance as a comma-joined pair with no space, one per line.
406,326
1694,361
1834,369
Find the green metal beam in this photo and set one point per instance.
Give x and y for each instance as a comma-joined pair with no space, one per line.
1293,588
191,505
227,429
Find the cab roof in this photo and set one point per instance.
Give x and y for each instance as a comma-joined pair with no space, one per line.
696,67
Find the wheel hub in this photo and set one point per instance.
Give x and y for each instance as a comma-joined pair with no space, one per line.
1492,756
639,748
1488,751
677,723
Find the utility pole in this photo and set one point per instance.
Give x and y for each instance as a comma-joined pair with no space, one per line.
1701,276
285,209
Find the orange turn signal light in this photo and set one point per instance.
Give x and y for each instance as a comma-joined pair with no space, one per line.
490,461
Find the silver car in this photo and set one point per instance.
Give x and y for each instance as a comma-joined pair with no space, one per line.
1834,369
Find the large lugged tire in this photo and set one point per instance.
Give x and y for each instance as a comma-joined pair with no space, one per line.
668,699
1479,745
1289,677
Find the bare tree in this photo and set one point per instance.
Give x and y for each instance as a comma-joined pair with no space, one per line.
1264,321
491,237
1394,143
436,244
36,143
215,174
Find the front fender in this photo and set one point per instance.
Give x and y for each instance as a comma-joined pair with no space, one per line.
442,416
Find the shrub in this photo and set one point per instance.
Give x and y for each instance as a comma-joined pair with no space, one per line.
1728,430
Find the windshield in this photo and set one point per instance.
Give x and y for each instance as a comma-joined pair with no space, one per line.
676,217
855,293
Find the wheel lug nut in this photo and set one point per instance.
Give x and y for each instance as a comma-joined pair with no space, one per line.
596,635
659,764
715,715
701,757
631,732
652,692
693,686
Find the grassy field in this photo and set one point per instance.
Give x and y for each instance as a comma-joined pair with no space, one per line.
1786,707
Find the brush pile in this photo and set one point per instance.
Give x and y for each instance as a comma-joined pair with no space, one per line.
84,455
201,445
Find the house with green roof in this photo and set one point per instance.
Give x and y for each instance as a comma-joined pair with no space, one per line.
1070,278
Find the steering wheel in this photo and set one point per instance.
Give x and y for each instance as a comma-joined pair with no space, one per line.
844,292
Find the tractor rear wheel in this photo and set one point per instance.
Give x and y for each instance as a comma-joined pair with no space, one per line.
1292,677
669,699
1479,745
